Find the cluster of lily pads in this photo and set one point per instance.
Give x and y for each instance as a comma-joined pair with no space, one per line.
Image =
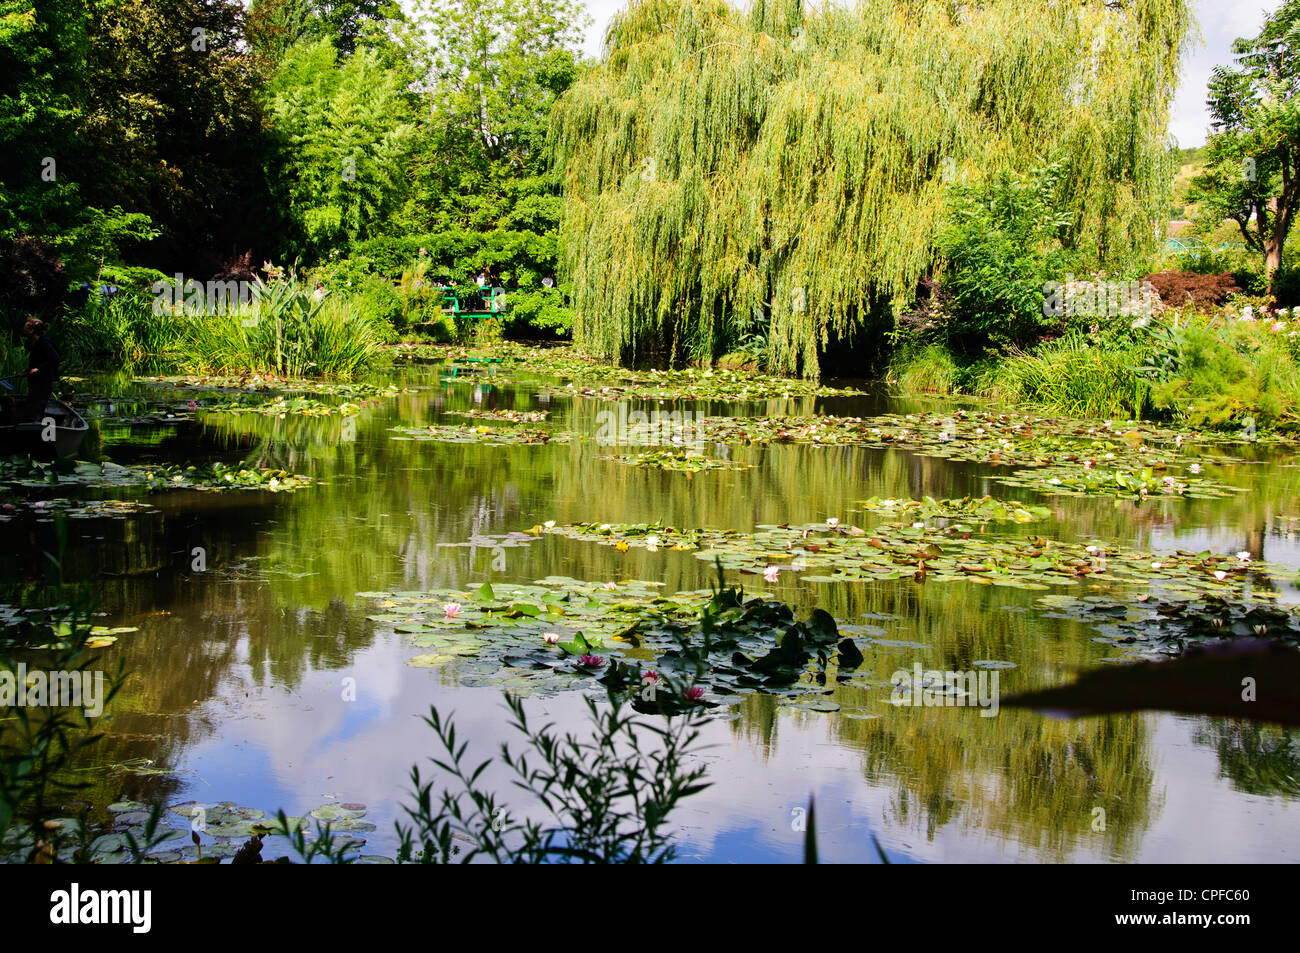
23,471
268,395
505,416
690,648
1167,623
930,551
977,509
44,510
481,433
586,377
1135,484
676,459
48,628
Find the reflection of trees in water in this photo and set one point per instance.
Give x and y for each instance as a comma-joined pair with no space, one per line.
1027,779
1256,759
384,505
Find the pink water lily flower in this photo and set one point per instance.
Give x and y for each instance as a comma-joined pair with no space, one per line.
833,522
694,693
1244,556
451,609
650,676
770,573
550,638
611,586
591,661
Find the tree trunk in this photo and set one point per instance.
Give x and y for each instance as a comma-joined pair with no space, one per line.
1272,261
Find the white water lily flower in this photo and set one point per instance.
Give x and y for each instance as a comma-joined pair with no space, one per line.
550,638
1157,565
1195,468
833,522
770,573
1244,556
549,524
652,543
1220,574
918,525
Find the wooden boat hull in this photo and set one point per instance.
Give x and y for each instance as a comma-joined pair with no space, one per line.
31,438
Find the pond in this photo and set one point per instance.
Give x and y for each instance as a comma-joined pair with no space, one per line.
259,676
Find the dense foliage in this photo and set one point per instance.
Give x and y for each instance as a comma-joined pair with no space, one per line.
794,164
359,139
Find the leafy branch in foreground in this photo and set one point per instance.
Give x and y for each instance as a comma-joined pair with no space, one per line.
41,735
608,794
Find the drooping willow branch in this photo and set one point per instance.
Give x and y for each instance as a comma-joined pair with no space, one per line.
721,164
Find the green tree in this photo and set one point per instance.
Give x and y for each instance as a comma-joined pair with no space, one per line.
482,173
1252,168
172,127
720,164
42,67
347,130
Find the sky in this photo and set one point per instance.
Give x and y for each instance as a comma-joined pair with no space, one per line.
1220,22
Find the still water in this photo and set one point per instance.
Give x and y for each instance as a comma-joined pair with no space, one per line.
239,672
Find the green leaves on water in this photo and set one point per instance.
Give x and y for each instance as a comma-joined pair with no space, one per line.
506,416
483,434
1169,622
209,476
540,638
1124,484
976,509
934,553
676,459
585,377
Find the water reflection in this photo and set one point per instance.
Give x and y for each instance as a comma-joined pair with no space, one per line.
238,670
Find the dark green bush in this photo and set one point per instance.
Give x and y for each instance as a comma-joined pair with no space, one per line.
999,242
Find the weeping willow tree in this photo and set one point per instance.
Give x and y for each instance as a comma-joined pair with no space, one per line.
788,167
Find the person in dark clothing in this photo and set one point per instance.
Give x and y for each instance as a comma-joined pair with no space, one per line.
42,370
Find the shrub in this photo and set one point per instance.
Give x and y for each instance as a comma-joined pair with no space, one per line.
542,311
1233,375
1179,289
999,239
1072,377
926,370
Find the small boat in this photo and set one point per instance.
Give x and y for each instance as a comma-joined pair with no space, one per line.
33,438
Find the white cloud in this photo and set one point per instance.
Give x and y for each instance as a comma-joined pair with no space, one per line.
1220,22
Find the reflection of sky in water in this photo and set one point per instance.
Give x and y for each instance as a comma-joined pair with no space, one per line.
241,682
